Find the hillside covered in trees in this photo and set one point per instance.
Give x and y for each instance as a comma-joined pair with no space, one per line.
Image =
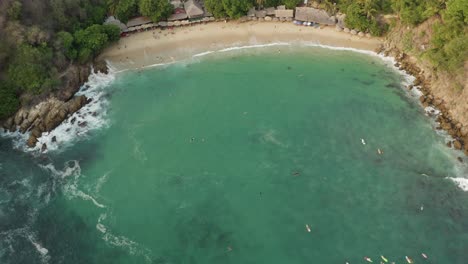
39,40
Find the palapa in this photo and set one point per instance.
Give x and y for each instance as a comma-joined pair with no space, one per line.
310,14
193,9
284,13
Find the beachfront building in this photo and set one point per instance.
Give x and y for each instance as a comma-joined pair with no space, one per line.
138,23
193,9
310,14
287,14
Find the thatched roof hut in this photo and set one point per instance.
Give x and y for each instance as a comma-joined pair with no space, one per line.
193,9
285,13
309,14
114,21
261,13
179,14
138,21
270,11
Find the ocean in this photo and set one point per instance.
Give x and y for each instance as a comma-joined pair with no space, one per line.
281,154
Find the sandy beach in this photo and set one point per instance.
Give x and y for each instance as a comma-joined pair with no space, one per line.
164,46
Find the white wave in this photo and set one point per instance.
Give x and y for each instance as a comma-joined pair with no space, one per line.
462,183
99,226
91,117
204,53
71,187
255,46
42,250
86,197
157,65
101,181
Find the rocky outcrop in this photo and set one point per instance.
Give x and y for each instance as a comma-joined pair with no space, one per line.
72,81
54,108
43,117
457,130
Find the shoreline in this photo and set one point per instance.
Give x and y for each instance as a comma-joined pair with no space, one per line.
158,47
163,46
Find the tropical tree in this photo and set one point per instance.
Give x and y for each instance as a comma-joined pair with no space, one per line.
155,9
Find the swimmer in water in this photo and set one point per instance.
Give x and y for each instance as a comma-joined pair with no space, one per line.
308,228
362,141
379,151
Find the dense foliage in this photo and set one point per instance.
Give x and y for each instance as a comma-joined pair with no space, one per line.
39,40
125,9
450,42
155,9
238,8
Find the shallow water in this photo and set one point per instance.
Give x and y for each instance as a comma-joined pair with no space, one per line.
225,160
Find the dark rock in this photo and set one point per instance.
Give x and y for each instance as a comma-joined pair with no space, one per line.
72,81
460,159
73,120
422,99
82,124
44,147
32,141
100,66
457,144
54,139
449,144
76,103
36,132
446,126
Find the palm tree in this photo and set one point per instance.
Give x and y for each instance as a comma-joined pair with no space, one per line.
260,3
112,5
369,7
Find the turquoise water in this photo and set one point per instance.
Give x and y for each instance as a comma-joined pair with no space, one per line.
226,159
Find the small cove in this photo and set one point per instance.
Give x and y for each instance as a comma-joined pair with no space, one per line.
226,159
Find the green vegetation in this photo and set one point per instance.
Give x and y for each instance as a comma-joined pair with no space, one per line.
238,8
40,39
155,9
229,8
449,48
416,11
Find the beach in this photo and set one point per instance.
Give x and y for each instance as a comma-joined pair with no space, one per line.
160,46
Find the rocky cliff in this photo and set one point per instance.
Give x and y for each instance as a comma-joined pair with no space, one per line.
445,91
46,112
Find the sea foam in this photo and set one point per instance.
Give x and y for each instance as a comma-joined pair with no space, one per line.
91,117
462,183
